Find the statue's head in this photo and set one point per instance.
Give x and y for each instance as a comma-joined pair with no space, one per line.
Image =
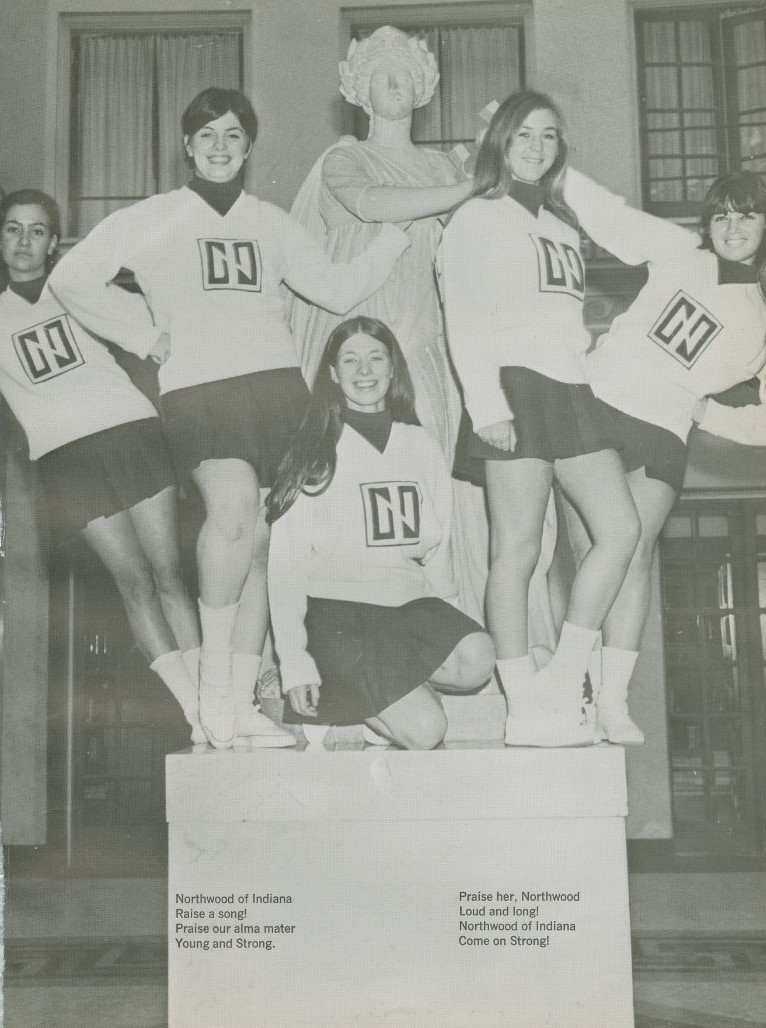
387,48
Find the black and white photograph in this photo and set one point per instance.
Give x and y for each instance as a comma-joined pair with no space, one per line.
383,514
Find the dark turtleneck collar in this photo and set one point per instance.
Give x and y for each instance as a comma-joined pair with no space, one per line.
375,427
220,195
734,273
531,195
29,291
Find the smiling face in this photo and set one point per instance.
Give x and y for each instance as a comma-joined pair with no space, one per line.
26,242
534,146
737,236
219,149
363,371
392,91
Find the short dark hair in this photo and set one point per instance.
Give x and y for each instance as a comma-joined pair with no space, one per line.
51,208
213,103
37,197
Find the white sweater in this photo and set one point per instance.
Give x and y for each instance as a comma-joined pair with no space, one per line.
685,336
512,285
379,534
214,280
59,381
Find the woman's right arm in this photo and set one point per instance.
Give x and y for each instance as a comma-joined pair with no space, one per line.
289,556
368,201
82,283
475,285
633,236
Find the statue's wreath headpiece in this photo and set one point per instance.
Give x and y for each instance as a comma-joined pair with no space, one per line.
387,44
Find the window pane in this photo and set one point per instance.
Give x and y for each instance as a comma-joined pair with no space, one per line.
696,188
660,143
664,121
707,168
695,41
724,694
713,525
661,88
699,119
687,744
684,692
751,87
700,142
697,86
762,582
750,42
726,744
660,169
681,639
719,637
679,526
752,141
659,42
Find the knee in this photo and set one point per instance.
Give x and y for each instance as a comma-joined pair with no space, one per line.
475,660
168,577
620,537
517,554
644,553
136,585
424,733
234,514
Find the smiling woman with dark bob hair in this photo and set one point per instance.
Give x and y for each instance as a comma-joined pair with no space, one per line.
211,260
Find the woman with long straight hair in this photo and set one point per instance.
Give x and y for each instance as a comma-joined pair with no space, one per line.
513,285
362,592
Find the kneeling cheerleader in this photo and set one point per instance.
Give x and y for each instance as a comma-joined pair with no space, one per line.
360,583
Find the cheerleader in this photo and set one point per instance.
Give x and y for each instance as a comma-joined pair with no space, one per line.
696,328
96,442
513,287
210,260
363,598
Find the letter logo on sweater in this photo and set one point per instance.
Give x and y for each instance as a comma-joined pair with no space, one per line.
231,264
48,349
391,513
560,267
685,329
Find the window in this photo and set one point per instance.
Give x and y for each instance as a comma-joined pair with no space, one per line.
702,85
481,56
713,557
128,79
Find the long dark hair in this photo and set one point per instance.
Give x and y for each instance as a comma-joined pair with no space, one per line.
39,199
741,191
493,178
309,464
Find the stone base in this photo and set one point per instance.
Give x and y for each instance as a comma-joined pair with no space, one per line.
374,849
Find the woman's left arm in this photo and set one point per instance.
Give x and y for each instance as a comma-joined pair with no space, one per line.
437,563
339,287
745,425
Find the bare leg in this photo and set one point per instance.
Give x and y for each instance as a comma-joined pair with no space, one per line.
229,490
595,483
253,615
115,541
624,625
415,722
154,520
469,665
517,494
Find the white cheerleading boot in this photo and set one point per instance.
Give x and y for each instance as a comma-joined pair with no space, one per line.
612,717
530,722
250,723
216,710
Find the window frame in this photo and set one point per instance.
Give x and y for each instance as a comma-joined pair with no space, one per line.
726,124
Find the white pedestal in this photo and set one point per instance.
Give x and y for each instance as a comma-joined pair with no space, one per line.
374,848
